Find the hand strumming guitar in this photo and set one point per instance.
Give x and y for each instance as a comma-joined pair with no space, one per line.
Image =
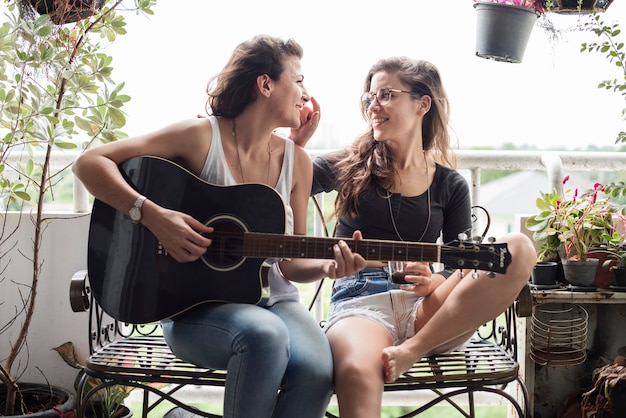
180,234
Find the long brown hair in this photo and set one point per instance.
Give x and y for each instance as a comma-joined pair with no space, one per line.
366,163
233,89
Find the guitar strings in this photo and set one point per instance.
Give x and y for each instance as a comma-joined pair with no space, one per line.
251,243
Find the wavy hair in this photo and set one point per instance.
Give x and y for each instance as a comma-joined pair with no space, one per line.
233,89
367,164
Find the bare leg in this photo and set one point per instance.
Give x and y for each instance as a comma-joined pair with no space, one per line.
459,306
356,344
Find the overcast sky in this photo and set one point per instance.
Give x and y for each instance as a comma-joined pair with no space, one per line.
549,100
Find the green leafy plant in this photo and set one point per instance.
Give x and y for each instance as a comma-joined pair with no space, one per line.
612,48
107,402
55,86
580,222
615,248
543,228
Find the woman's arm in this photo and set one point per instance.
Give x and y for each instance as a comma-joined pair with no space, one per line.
97,169
345,262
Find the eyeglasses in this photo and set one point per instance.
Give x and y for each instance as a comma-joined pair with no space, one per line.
382,96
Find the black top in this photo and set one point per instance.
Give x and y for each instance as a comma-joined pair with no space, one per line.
450,208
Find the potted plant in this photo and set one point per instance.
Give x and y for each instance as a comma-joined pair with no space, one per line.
503,27
616,263
547,267
576,6
580,222
61,11
55,83
108,402
615,256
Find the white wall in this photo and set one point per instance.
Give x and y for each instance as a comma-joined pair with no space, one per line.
64,252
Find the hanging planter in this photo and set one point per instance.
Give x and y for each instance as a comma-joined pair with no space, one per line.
576,6
64,11
503,30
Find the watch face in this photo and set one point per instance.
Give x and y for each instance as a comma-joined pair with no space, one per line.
135,214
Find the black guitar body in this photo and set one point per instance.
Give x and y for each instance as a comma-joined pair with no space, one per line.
135,281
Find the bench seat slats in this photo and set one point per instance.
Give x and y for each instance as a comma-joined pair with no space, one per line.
481,362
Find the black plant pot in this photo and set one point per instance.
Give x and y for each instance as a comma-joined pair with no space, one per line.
95,411
45,396
620,277
545,273
67,11
576,7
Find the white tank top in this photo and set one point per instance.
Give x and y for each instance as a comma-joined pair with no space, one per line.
216,171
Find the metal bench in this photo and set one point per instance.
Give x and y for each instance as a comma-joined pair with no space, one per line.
136,355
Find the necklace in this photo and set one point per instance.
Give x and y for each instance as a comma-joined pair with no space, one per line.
269,155
393,220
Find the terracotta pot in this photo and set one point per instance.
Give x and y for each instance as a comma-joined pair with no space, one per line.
604,277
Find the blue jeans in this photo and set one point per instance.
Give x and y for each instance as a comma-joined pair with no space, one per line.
369,281
278,359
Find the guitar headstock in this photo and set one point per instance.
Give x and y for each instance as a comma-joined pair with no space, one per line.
491,257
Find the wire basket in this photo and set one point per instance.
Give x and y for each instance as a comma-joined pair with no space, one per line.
558,334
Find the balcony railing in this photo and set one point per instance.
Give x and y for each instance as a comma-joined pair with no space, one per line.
555,163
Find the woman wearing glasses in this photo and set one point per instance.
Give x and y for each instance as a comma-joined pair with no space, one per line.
397,182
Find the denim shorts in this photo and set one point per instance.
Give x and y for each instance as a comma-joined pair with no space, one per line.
371,294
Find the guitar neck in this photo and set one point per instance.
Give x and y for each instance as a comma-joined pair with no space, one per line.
261,245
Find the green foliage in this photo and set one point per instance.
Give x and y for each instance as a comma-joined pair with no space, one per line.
577,221
543,228
612,48
56,93
107,401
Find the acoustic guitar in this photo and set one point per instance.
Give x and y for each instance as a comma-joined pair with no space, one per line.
136,281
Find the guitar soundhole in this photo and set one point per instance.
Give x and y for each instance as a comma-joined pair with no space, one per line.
226,250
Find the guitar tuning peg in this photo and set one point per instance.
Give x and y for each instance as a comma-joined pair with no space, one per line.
462,236
475,275
491,275
477,239
461,274
491,240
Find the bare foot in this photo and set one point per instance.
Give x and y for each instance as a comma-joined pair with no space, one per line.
396,360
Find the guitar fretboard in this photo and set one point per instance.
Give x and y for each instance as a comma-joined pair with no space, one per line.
296,246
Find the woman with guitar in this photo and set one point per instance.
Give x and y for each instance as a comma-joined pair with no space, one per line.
396,182
278,360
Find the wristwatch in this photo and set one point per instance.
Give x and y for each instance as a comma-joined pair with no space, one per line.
135,211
